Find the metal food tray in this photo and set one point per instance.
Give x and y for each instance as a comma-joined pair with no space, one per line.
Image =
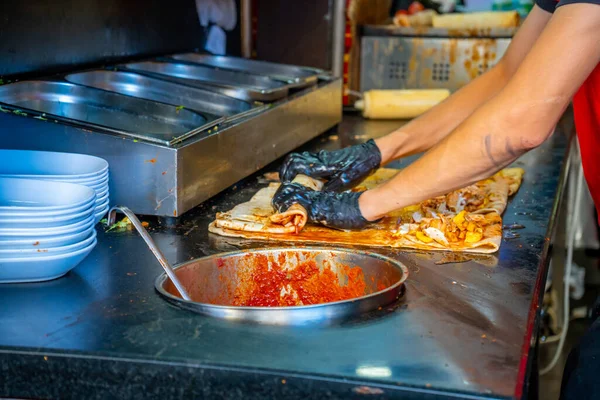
151,177
296,77
106,111
231,83
211,104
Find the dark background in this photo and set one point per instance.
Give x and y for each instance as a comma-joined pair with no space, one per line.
57,35
295,32
40,37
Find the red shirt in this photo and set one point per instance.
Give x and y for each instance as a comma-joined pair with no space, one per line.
586,105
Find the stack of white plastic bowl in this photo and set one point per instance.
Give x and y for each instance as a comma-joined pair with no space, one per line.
46,228
79,169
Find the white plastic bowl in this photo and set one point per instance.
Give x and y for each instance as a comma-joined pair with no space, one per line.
36,269
46,164
41,251
48,241
27,194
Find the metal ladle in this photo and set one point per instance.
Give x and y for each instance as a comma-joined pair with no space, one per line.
112,214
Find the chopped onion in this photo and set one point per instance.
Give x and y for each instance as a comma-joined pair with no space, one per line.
460,203
404,229
436,235
442,207
417,216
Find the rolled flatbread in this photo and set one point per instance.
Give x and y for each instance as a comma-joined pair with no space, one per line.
258,215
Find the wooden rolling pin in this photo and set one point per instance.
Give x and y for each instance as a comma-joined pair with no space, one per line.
399,104
477,20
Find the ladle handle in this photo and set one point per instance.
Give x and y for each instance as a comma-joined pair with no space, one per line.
153,247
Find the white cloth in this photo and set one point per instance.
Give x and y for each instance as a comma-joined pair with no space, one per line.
219,12
216,43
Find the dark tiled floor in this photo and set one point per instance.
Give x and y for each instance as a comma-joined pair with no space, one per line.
550,383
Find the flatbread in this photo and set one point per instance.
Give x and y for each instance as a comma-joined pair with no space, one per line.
467,220
514,177
258,215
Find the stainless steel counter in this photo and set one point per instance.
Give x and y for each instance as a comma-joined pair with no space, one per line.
462,330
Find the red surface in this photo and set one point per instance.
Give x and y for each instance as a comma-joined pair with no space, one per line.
586,105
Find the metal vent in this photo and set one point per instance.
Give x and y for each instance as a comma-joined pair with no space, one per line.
441,72
397,70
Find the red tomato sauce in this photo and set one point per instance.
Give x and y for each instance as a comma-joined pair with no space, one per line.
305,284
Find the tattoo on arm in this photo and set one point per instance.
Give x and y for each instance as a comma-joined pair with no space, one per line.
488,149
510,149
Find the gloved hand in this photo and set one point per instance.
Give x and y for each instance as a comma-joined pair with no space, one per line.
342,168
335,210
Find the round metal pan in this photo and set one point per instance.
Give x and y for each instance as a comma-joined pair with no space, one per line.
205,279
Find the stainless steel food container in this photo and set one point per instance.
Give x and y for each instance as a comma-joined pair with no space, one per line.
105,111
295,77
231,83
427,58
136,85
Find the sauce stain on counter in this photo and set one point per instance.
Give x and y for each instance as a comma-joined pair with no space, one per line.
483,57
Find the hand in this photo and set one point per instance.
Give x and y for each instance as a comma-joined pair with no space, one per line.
342,168
335,210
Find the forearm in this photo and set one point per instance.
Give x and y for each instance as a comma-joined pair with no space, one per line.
516,120
430,128
422,133
486,142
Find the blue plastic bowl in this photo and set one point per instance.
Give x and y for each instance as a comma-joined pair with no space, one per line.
48,164
100,190
35,222
48,241
99,215
32,212
102,200
73,179
37,269
27,194
20,233
41,251
82,181
103,204
87,182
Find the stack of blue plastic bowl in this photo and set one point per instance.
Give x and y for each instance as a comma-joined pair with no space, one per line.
49,206
46,228
80,169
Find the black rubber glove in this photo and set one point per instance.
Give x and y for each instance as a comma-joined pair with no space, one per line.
342,168
335,210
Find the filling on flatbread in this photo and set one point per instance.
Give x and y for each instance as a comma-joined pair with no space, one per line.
468,219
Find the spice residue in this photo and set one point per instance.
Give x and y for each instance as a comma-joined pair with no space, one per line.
270,284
